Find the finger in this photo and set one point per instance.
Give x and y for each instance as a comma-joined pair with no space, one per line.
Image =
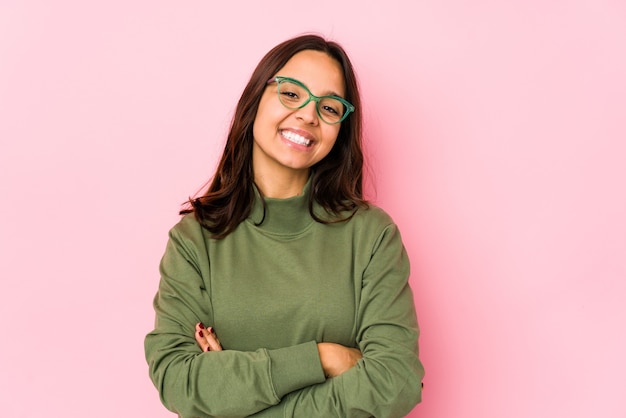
202,341
200,336
212,340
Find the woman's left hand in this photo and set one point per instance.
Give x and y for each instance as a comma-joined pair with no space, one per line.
206,338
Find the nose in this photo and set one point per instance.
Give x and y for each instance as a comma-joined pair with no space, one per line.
308,113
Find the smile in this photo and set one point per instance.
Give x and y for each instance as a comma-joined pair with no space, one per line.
295,138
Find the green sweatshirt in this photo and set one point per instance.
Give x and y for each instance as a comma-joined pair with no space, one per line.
272,292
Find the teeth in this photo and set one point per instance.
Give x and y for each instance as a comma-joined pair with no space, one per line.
298,139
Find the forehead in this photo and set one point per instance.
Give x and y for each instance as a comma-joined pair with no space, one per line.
320,72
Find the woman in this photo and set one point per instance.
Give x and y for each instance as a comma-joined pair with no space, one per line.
305,283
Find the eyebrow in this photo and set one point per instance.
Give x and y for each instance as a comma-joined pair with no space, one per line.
332,93
328,92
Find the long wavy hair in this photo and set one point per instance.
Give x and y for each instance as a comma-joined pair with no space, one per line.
336,183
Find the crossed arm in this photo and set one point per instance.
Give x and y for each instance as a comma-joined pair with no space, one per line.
335,358
381,378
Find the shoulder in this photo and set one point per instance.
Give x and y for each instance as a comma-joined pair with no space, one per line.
383,227
188,232
373,217
374,213
188,225
372,224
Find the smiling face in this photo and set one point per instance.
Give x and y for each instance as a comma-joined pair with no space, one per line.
287,142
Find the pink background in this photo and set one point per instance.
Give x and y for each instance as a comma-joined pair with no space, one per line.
495,133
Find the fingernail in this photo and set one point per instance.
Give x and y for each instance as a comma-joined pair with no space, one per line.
201,325
210,329
201,334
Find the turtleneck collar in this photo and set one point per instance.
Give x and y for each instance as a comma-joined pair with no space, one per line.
288,216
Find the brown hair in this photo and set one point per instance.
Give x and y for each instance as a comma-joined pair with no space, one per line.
336,182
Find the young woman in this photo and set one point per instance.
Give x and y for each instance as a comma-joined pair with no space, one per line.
305,283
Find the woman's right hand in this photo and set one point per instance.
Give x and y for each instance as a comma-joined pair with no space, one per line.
337,359
206,338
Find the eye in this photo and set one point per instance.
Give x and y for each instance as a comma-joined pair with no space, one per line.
288,94
330,109
291,93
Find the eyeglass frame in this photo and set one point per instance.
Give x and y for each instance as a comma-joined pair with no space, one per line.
349,107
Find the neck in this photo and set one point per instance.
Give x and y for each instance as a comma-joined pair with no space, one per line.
281,187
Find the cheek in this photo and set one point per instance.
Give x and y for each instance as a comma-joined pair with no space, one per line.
267,118
330,140
330,136
263,114
262,125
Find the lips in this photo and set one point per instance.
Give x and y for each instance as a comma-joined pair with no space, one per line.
296,138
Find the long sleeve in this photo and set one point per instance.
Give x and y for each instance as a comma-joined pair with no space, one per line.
273,288
217,384
386,382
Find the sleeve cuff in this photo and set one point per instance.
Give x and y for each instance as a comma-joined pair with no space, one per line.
295,367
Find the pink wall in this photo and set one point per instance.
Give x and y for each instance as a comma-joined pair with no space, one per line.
496,132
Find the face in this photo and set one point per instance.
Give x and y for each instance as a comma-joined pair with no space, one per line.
287,141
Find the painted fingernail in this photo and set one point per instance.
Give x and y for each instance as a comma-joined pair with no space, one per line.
200,334
210,329
201,325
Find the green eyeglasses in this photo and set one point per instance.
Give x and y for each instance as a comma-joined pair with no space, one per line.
295,95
